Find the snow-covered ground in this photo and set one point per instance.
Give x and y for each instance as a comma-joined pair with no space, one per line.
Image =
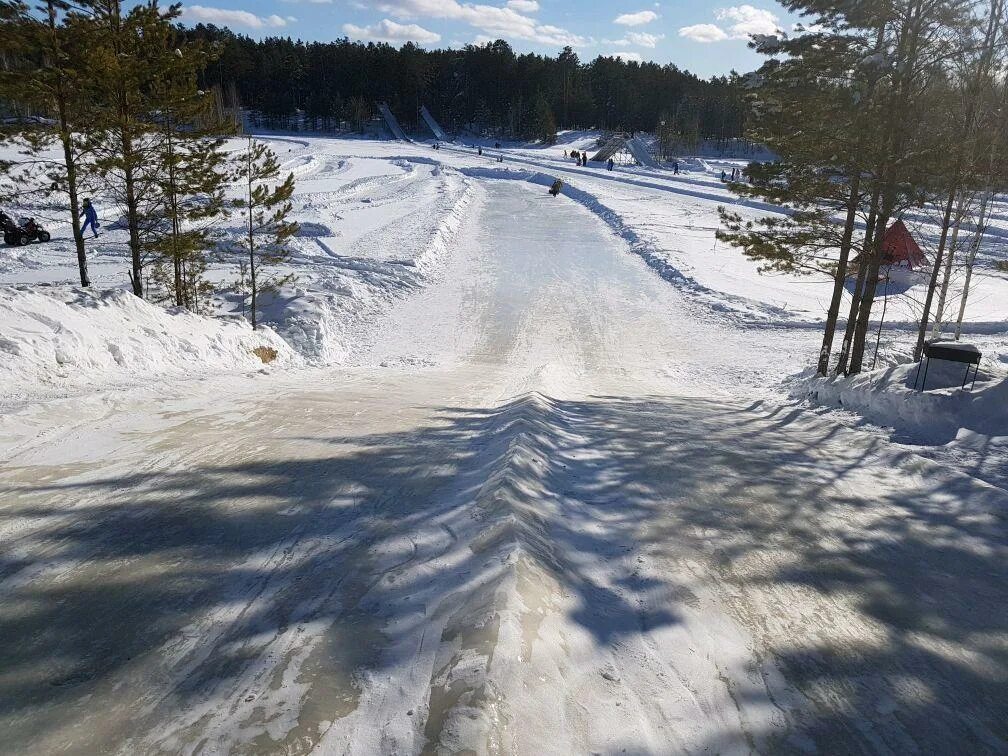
527,475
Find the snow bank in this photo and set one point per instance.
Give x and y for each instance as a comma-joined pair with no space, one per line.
965,428
63,337
887,397
321,322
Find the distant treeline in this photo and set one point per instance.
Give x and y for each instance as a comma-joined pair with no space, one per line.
486,88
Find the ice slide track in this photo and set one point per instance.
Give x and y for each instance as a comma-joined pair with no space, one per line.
432,124
393,123
642,155
539,538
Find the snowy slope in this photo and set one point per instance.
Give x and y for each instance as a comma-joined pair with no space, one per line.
543,513
56,339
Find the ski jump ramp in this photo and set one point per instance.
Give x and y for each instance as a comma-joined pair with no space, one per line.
641,153
392,122
433,125
613,145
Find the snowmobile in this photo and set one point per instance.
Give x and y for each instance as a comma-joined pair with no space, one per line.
34,231
26,233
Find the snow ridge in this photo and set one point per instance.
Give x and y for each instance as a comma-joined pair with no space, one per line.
484,637
324,323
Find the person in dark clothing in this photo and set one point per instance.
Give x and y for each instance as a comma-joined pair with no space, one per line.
584,159
557,186
610,164
565,153
479,150
90,217
724,175
675,168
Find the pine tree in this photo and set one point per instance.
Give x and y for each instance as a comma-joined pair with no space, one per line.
915,37
126,70
266,206
809,109
52,51
853,98
192,180
545,123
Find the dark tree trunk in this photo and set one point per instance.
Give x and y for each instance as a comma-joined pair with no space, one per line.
841,368
871,282
66,138
935,272
841,276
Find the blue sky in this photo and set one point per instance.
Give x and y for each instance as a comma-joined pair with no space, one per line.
708,39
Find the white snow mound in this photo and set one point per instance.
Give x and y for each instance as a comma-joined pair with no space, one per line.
65,337
941,413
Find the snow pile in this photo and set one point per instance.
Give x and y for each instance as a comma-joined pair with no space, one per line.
964,427
888,398
695,164
445,233
67,337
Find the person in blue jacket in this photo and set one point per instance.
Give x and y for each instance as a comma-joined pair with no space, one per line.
90,217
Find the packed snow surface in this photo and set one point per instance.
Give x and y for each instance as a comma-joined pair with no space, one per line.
524,478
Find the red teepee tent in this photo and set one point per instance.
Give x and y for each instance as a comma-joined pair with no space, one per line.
899,248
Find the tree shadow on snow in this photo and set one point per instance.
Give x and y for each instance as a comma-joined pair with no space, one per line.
368,535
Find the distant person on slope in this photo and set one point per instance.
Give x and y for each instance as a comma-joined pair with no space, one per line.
675,168
584,159
610,164
557,186
90,217
479,150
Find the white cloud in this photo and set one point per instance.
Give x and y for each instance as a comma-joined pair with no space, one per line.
748,20
703,33
639,39
523,6
492,20
227,17
387,30
742,20
636,19
627,56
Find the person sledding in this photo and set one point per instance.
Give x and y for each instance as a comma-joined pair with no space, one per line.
90,217
556,187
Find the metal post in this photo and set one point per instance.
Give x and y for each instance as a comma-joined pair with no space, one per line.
885,303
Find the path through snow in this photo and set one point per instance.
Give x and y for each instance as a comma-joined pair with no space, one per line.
520,525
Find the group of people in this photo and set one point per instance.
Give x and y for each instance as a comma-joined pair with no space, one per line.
736,175
581,158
